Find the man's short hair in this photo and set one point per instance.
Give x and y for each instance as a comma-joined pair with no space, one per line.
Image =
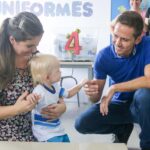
132,19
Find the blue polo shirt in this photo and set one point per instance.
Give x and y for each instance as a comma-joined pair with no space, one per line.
122,69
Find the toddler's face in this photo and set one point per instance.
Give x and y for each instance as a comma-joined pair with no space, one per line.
55,75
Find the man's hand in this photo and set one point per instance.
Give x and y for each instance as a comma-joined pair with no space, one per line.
91,88
106,100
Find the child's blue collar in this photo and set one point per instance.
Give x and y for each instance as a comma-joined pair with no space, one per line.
51,90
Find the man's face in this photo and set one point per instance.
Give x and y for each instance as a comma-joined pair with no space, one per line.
123,39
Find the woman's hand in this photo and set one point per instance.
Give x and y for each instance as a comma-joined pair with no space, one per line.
54,111
26,102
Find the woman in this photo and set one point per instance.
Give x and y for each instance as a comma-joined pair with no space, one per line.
134,6
19,37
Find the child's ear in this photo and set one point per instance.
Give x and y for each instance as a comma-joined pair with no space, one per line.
47,77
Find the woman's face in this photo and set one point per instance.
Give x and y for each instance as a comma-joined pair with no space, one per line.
25,48
135,4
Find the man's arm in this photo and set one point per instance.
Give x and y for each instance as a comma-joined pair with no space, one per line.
141,82
94,89
132,85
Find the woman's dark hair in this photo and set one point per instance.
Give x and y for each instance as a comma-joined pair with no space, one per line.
132,19
22,27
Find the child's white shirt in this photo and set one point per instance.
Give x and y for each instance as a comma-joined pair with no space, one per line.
42,128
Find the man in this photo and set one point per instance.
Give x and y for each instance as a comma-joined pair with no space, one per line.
127,63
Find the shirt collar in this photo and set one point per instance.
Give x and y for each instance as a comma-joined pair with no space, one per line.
51,90
116,56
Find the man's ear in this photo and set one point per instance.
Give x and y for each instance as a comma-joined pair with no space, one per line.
138,39
12,40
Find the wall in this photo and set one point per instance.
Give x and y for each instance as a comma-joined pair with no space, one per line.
63,17
118,5
92,17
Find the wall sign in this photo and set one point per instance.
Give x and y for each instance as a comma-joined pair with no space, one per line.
60,17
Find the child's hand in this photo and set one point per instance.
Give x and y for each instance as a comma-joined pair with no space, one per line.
26,102
33,98
83,82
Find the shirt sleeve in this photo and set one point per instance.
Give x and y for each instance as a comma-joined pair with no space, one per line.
99,70
38,90
63,93
147,50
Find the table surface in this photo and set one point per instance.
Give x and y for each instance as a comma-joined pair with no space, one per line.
76,63
60,146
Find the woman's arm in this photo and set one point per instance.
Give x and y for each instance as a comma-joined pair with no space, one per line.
21,105
54,111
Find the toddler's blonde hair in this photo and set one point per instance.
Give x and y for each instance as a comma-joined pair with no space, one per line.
42,65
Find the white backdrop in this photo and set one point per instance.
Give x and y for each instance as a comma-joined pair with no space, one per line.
97,24
64,16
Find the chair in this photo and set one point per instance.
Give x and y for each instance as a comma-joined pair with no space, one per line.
71,77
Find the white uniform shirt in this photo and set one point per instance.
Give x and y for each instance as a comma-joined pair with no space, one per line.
42,128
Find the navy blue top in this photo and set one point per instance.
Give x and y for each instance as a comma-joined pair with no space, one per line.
121,69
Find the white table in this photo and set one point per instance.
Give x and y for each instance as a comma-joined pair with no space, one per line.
79,64
59,146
